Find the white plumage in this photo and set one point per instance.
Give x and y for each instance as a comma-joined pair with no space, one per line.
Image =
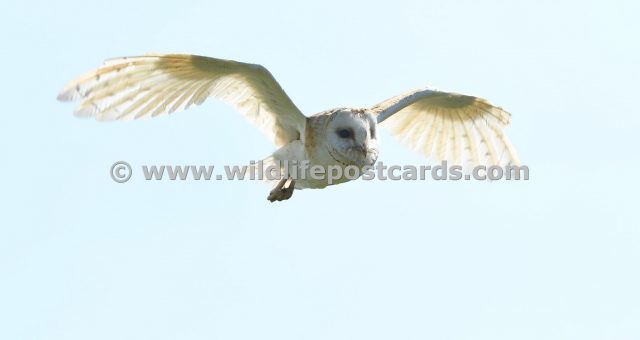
152,85
461,129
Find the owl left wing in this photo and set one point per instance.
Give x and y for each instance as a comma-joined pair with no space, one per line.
156,84
464,130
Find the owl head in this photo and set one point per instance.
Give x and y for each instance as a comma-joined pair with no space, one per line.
351,137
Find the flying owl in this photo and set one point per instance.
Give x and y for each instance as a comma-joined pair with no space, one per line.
461,129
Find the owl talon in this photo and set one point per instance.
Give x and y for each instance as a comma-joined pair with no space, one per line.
282,191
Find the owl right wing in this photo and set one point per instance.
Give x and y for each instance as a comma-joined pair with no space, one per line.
464,130
152,85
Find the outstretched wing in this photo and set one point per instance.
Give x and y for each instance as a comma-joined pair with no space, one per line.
464,130
152,85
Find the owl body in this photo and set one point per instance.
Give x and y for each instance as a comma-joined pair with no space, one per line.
332,141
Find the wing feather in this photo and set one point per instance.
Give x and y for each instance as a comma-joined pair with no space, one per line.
441,147
457,142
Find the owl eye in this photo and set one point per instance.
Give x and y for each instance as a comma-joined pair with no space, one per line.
344,133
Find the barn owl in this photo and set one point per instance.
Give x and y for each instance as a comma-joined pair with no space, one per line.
461,129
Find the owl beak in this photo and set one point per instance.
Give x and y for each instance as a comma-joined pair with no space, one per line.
362,148
368,154
371,155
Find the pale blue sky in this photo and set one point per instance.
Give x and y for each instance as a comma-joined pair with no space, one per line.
557,257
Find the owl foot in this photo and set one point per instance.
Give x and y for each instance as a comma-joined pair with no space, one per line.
282,191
